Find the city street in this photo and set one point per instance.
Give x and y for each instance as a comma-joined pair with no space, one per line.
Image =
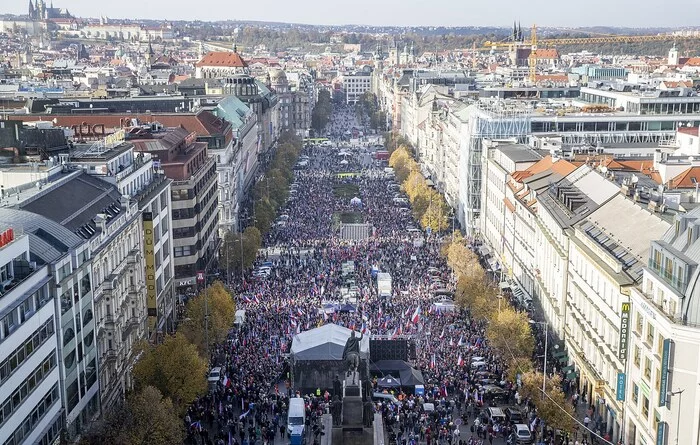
306,257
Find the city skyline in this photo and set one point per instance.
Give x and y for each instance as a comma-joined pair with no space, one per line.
623,13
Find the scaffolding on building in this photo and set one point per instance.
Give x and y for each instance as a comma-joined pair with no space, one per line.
488,119
616,137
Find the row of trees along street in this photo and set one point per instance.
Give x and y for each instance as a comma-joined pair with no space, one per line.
168,376
509,333
429,206
367,107
322,111
238,250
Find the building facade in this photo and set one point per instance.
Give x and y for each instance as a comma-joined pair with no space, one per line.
194,199
30,380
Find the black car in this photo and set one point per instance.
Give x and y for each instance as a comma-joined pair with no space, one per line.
493,393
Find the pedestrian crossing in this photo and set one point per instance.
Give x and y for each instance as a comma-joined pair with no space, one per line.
355,232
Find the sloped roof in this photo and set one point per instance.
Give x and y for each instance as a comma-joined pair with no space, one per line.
48,240
223,58
60,204
325,343
687,179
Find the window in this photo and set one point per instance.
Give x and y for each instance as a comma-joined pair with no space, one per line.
639,325
657,379
637,356
88,317
645,407
659,345
647,368
650,335
70,360
635,393
68,336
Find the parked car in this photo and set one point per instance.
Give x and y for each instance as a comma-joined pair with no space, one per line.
493,393
514,414
523,434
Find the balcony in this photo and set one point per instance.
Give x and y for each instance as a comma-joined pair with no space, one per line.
110,355
132,324
667,276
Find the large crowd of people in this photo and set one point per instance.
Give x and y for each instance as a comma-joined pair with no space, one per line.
248,406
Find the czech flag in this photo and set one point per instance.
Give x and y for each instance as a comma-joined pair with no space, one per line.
460,361
416,316
432,362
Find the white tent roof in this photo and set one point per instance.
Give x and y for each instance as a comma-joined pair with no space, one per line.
325,343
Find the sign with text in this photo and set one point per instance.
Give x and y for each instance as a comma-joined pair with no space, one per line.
624,331
7,237
665,358
150,258
661,433
621,385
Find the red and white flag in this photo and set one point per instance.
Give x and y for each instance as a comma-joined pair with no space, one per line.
416,316
460,361
432,362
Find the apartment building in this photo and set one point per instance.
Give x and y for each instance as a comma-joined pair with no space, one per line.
662,383
137,179
110,223
194,199
67,255
501,159
30,380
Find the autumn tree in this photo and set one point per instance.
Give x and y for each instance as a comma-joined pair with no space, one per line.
145,417
477,294
240,249
518,365
174,367
210,314
509,333
553,407
435,215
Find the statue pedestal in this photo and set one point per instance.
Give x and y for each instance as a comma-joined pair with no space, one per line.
352,400
352,430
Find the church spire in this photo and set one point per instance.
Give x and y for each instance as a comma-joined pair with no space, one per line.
31,9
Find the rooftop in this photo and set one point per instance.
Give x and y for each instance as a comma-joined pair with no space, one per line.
223,59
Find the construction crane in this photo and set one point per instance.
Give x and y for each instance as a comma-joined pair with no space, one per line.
596,40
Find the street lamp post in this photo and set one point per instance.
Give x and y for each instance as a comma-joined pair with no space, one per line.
678,393
546,336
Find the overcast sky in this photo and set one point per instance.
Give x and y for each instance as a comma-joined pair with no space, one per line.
630,13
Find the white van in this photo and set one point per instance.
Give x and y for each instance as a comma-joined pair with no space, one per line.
214,377
296,414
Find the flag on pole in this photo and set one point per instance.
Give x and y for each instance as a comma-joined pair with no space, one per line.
408,311
460,361
442,334
461,340
364,329
452,342
416,316
432,362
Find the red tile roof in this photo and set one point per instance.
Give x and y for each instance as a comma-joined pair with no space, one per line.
223,58
687,179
